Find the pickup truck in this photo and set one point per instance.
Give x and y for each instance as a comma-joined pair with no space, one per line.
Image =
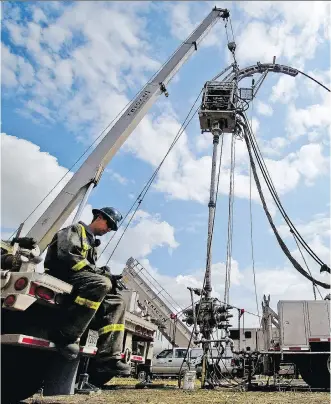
168,362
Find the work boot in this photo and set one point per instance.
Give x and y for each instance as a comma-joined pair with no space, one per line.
67,347
115,367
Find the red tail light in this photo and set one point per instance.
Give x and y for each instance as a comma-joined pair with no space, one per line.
233,362
9,300
35,341
21,283
45,293
33,288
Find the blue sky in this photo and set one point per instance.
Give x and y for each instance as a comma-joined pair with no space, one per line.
69,68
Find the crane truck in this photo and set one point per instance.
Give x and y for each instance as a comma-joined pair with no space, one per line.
31,300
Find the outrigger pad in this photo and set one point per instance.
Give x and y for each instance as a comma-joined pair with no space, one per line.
84,387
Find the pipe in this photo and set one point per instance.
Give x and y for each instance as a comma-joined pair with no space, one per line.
294,353
211,206
194,314
239,311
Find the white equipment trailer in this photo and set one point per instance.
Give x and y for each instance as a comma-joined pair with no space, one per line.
304,339
23,289
299,333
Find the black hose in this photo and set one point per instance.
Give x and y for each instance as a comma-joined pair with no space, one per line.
283,246
275,196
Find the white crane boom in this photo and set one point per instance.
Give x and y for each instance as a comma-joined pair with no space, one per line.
90,171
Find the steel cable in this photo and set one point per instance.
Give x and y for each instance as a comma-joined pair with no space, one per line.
304,260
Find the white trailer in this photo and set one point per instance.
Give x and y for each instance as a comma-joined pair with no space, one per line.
299,333
303,324
250,339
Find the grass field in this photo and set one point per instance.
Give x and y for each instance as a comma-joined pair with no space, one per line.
172,395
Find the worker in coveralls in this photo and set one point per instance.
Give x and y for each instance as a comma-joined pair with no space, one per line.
72,257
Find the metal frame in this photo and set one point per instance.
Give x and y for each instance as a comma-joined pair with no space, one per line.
157,304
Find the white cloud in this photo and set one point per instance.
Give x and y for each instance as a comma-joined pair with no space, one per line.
14,69
316,233
314,119
285,90
308,162
203,141
267,43
181,24
283,30
283,284
274,146
24,184
117,177
176,285
264,109
311,162
39,15
146,233
81,69
255,125
184,17
318,226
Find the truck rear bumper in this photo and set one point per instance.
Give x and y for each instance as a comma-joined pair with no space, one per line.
39,343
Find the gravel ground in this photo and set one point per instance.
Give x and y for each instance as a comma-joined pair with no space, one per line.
171,395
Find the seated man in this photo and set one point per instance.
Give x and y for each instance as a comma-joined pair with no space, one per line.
72,257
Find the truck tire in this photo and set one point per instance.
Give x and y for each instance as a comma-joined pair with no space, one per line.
315,370
22,373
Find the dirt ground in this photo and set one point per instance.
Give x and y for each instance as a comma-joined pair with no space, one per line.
172,395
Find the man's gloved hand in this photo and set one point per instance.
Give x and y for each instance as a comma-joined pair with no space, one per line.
114,280
105,270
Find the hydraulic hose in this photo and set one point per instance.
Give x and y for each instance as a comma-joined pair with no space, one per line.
283,246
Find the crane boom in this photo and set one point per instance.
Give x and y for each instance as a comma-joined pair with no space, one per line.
159,304
91,170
